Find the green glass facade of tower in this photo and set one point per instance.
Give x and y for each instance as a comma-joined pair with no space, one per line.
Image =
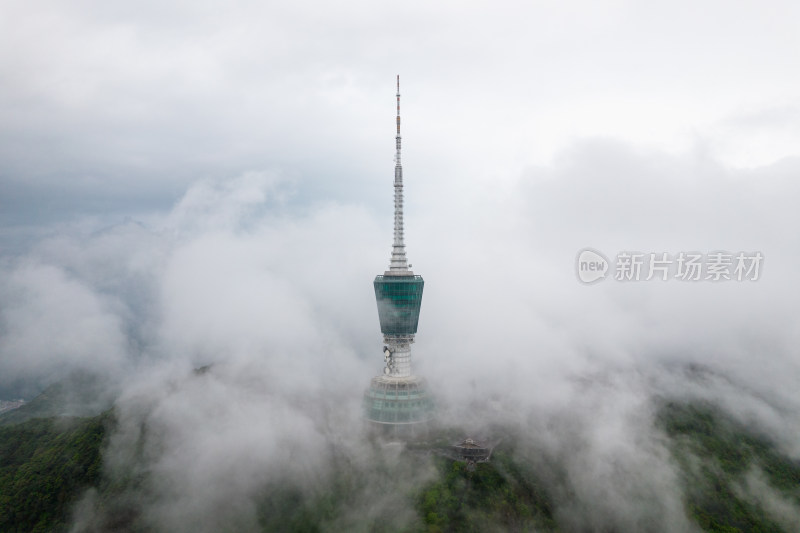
399,301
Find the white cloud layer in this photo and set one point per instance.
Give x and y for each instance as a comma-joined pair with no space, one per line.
530,132
279,301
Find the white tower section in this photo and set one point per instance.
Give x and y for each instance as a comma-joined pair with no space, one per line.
398,401
398,265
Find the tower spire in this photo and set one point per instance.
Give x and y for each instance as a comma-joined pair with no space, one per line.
398,265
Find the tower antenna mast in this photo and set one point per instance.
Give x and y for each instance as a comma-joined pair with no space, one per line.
398,265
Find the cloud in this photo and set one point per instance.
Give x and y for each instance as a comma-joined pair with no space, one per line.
279,301
522,145
53,323
112,109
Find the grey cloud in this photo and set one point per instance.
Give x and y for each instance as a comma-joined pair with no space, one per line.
280,303
110,114
52,323
108,108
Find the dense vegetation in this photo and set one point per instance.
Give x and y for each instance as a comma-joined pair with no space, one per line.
44,466
727,452
495,494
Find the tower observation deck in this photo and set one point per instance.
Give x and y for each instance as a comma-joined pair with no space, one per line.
398,400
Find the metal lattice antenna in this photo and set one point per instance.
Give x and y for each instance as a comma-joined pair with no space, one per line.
398,264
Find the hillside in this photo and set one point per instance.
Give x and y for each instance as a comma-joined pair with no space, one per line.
79,395
734,479
45,465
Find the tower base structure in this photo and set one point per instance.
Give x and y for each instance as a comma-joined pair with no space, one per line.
399,407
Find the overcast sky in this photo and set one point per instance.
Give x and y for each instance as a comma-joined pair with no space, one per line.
111,108
192,182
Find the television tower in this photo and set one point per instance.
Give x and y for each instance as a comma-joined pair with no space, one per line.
397,400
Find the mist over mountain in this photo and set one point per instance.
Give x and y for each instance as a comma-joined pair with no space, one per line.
511,342
195,199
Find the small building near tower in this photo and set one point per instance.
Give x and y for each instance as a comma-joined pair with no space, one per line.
472,451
